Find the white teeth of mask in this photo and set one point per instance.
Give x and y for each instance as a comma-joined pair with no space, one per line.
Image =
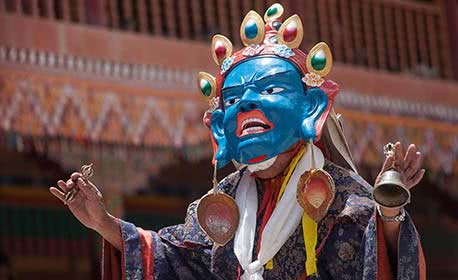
262,165
253,128
252,120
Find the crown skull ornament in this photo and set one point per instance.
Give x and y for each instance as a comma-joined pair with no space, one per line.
268,37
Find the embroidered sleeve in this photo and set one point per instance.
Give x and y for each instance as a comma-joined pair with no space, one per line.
176,252
146,255
350,253
351,237
410,263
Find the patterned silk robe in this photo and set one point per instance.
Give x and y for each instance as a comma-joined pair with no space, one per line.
350,244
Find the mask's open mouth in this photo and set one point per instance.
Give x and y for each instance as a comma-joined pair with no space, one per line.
252,122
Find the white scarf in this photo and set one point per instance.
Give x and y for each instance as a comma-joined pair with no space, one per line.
283,222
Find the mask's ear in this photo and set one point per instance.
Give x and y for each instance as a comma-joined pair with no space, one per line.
319,64
310,128
221,154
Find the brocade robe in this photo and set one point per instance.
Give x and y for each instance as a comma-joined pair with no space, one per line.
350,244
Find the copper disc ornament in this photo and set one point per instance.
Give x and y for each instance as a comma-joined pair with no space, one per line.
218,215
315,191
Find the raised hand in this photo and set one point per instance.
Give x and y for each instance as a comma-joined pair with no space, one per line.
407,164
87,205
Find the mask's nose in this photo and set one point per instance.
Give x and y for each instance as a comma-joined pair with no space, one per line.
249,101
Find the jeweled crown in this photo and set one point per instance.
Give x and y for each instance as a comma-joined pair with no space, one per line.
268,36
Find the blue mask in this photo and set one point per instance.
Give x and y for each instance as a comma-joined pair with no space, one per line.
265,111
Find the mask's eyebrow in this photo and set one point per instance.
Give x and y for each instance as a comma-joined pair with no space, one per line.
238,87
270,75
258,79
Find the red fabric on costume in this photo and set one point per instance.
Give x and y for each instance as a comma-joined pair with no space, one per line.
320,145
265,199
271,192
147,254
272,189
113,263
421,260
303,276
383,262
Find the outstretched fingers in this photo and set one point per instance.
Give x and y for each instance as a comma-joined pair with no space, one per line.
57,193
409,156
416,178
413,166
62,185
399,156
63,189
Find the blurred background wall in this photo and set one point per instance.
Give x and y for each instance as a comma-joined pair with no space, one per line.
112,82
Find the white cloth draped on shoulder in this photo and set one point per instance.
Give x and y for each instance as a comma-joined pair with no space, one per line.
285,218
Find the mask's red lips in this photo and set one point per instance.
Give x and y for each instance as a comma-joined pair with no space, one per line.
252,122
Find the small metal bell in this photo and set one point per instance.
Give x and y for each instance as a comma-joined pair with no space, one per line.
390,191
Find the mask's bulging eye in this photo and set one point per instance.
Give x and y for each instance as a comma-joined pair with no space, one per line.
272,90
231,102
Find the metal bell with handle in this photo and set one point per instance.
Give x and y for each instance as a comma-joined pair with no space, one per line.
390,191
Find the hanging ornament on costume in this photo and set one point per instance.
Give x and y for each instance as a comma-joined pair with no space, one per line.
218,214
221,48
319,64
274,12
252,29
291,32
315,190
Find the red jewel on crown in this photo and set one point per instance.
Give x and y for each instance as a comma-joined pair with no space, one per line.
220,50
290,32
